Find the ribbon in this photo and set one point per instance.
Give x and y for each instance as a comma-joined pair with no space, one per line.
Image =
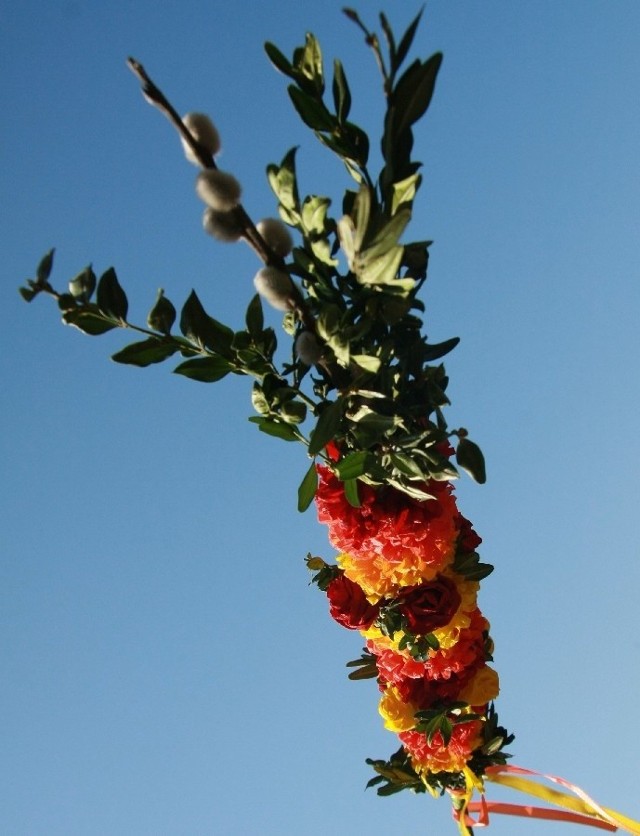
579,808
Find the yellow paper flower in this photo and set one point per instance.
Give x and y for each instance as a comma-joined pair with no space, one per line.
398,716
484,686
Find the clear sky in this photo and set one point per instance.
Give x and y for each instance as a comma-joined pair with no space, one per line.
166,668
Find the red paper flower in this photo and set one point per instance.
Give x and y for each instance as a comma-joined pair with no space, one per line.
435,756
467,653
388,522
468,539
424,693
348,604
430,605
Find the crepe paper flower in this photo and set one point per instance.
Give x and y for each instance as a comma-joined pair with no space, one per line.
398,714
389,523
483,687
204,132
223,226
430,605
218,189
348,604
382,578
393,666
436,756
468,539
449,635
464,653
276,236
425,693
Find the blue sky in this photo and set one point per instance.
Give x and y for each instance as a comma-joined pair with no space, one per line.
166,668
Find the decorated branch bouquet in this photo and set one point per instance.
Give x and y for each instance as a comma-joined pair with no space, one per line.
365,392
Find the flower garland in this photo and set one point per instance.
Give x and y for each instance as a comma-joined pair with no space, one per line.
407,578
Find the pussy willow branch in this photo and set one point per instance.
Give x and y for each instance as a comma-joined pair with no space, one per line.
156,97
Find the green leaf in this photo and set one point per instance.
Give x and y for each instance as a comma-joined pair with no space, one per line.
307,491
162,315
110,297
205,369
471,568
434,726
44,268
327,427
146,352
383,270
387,237
351,492
66,302
353,465
293,412
82,286
360,214
346,235
493,746
311,110
201,328
416,260
438,350
310,62
391,42
27,293
258,400
341,92
405,191
282,180
314,564
406,41
368,671
446,730
254,317
329,321
278,60
358,144
469,457
314,214
413,93
374,421
410,490
88,322
274,428
366,362
406,465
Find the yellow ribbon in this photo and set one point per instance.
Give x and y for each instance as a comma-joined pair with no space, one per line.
582,808
578,802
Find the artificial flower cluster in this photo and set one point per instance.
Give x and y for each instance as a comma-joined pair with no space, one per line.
407,579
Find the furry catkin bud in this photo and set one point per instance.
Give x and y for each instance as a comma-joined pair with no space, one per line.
219,190
204,131
276,236
307,348
276,287
223,226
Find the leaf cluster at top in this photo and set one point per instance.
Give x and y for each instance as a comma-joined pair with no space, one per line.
377,389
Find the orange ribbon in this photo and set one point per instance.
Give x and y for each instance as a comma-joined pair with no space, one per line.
580,808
